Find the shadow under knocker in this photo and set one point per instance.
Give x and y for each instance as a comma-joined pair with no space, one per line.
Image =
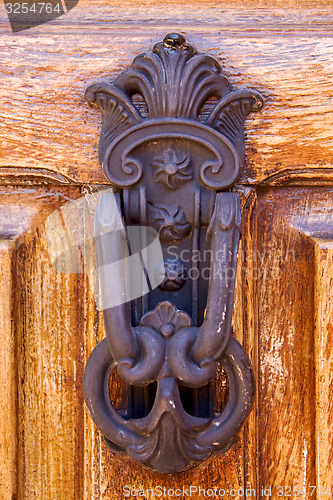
175,163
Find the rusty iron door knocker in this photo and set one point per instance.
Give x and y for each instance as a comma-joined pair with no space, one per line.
172,144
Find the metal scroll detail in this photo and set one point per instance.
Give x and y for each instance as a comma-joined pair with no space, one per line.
173,141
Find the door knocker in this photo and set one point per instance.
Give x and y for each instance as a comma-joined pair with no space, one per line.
172,146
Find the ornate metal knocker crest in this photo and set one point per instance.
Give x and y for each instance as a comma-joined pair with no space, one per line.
175,167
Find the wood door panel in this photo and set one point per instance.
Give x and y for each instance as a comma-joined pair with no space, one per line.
49,447
291,294
282,310
324,360
42,419
50,325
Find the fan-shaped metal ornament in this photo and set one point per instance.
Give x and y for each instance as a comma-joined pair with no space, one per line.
175,167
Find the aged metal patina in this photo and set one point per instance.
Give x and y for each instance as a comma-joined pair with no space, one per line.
172,142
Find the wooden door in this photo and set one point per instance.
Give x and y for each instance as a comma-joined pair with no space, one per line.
49,447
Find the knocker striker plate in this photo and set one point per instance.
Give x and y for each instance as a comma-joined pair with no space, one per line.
174,167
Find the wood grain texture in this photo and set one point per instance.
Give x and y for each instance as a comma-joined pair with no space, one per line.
284,296
324,361
49,325
8,378
284,50
44,366
60,452
244,323
286,223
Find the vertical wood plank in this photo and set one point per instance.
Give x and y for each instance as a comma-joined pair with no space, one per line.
93,333
285,298
8,378
324,365
108,473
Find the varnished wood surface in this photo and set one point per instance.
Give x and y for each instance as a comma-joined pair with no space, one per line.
8,378
323,356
